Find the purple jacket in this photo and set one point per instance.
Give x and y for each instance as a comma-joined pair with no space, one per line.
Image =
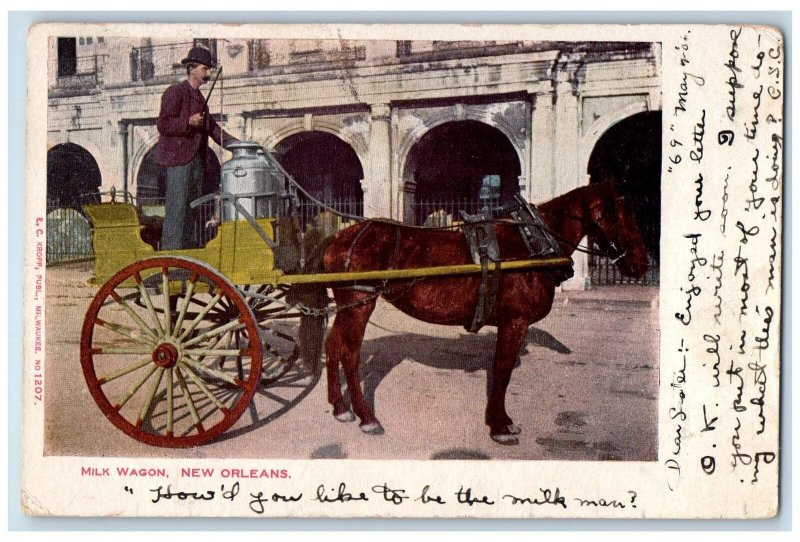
179,142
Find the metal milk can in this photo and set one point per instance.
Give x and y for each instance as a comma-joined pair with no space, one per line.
253,180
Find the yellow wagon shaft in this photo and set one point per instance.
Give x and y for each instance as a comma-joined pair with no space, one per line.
419,272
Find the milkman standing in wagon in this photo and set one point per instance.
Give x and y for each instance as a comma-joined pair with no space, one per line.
184,125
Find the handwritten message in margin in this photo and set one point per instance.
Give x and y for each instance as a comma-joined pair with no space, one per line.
723,129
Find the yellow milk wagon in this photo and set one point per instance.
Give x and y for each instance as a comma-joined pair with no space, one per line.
175,344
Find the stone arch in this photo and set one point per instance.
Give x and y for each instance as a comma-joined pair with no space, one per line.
410,139
73,175
91,146
143,164
629,154
335,176
600,127
319,125
137,159
463,164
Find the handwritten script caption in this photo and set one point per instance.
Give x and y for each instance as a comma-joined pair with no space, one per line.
723,124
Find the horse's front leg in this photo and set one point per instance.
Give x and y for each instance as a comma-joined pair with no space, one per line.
344,346
510,336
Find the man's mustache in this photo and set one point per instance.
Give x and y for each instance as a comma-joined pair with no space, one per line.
206,78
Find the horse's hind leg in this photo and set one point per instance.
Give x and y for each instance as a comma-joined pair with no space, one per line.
510,336
344,346
333,356
357,319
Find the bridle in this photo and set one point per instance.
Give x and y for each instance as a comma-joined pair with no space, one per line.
614,253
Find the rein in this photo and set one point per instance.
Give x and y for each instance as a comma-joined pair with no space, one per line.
614,254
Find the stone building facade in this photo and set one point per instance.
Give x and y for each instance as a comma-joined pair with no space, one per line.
398,113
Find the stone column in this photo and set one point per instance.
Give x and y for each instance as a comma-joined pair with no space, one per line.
409,194
237,125
567,140
378,193
248,128
566,157
124,182
542,181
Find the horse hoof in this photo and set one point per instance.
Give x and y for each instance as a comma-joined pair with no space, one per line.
514,429
374,428
345,416
506,440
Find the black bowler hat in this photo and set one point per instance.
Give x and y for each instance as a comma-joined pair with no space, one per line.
200,55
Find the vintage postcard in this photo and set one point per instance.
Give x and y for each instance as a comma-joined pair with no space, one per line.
501,271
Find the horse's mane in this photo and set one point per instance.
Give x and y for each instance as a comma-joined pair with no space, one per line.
558,207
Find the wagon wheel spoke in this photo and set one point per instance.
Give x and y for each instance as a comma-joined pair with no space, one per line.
185,305
237,342
219,340
167,303
136,387
149,401
199,318
148,303
189,401
200,384
283,316
125,370
170,404
212,372
275,364
220,352
233,325
135,317
111,350
126,331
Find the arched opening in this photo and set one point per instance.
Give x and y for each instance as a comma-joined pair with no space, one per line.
459,165
327,168
73,177
151,193
151,180
629,154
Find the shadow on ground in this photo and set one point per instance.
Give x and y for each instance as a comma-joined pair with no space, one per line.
469,353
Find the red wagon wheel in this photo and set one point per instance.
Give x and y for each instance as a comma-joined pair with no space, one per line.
162,370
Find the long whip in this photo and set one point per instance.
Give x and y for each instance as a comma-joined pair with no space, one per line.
213,84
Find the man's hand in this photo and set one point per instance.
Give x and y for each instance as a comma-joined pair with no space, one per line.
196,120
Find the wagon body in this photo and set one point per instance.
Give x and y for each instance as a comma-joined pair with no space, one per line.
237,251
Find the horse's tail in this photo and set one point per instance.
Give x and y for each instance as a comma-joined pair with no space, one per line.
312,300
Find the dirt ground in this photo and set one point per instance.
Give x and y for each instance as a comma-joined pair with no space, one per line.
586,389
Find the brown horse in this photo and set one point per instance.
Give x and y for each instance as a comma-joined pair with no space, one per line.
522,297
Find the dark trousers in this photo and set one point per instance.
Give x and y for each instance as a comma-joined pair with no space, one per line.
182,224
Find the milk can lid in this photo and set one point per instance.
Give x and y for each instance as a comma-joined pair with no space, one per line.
243,145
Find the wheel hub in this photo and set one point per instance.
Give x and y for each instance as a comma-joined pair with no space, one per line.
166,355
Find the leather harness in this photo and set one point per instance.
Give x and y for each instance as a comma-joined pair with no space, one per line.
484,248
479,232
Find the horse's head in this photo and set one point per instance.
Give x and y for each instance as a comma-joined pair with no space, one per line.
612,224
